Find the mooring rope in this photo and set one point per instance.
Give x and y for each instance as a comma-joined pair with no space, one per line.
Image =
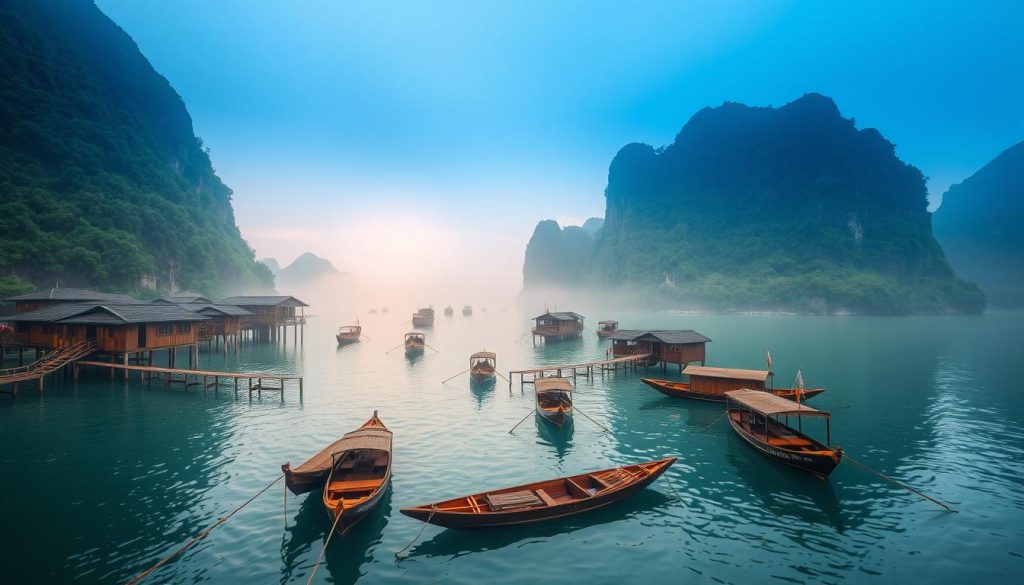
398,555
901,484
138,578
316,566
714,421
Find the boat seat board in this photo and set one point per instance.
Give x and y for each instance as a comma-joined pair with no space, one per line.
548,500
513,500
577,490
355,486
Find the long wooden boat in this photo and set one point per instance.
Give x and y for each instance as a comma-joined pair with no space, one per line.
683,390
313,473
349,334
606,328
554,399
482,366
415,342
542,500
423,317
359,474
754,415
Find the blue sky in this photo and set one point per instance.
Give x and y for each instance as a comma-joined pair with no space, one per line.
343,127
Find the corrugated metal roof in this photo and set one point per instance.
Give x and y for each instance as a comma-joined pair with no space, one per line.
670,336
263,301
731,373
72,294
770,405
561,316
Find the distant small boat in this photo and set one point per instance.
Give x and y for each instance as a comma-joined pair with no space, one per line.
415,342
449,311
467,310
359,474
554,399
750,414
606,328
423,318
349,334
314,472
542,500
482,365
683,390
384,310
373,311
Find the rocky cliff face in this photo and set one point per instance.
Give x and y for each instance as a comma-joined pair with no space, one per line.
981,227
790,208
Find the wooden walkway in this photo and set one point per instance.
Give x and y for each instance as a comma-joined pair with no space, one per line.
627,363
256,382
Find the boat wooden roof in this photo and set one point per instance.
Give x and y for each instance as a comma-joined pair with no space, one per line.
552,384
415,334
731,373
769,404
484,355
375,439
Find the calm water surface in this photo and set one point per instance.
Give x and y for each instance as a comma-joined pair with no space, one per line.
102,478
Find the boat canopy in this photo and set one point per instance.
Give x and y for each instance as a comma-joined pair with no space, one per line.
415,335
552,384
369,439
731,373
769,404
483,355
347,328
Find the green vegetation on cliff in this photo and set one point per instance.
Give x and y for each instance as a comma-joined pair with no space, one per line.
102,181
789,208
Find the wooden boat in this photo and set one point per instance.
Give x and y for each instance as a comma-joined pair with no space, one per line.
683,390
606,328
373,311
467,310
754,415
384,310
359,474
423,317
313,473
349,334
415,342
554,399
482,365
542,500
449,311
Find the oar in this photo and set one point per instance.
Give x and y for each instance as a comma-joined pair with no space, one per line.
396,347
522,421
455,376
367,337
437,350
577,409
503,377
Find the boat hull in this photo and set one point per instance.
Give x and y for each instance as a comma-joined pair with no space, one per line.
352,516
482,376
681,390
462,520
817,464
301,483
555,417
346,340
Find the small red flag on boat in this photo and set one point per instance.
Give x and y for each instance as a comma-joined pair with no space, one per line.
768,359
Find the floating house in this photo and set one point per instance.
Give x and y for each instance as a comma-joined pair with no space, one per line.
558,326
271,315
668,346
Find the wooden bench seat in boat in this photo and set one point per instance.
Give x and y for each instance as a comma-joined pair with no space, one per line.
512,500
789,441
548,500
355,486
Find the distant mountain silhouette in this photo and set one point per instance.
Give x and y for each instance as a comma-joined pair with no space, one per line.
981,226
305,270
272,264
592,225
761,208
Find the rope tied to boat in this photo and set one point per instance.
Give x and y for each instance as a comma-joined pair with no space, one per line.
714,421
138,578
911,489
398,555
316,566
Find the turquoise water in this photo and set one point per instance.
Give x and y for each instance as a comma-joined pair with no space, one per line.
102,478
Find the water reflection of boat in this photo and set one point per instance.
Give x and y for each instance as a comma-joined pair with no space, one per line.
558,437
543,500
481,389
453,543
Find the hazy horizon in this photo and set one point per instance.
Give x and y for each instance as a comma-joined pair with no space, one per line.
367,133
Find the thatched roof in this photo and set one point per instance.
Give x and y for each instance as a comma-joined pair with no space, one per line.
552,384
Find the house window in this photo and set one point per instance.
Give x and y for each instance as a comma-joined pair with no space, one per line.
184,328
677,348
165,329
110,332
